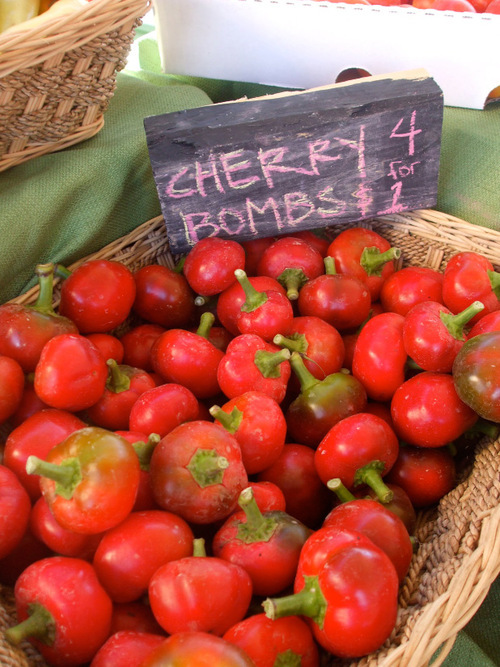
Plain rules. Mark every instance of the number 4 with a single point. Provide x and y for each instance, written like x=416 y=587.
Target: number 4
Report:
x=411 y=134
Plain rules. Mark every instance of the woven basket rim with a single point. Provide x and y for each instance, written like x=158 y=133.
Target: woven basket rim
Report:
x=31 y=46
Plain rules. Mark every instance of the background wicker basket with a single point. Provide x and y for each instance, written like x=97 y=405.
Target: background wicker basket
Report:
x=56 y=80
x=459 y=541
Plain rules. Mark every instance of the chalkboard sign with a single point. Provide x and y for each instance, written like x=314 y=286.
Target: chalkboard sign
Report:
x=300 y=160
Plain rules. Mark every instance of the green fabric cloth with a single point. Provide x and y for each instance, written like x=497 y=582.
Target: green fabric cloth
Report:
x=63 y=206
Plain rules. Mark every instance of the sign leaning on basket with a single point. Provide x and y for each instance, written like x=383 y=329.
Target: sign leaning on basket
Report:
x=299 y=160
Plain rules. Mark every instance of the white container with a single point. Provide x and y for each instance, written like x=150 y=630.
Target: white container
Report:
x=303 y=44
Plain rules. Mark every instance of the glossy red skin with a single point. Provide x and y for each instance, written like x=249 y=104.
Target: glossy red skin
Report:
x=253 y=252
x=210 y=265
x=427 y=411
x=186 y=358
x=426 y=339
x=198 y=649
x=353 y=443
x=37 y=435
x=476 y=375
x=174 y=487
x=400 y=504
x=409 y=286
x=237 y=372
x=61 y=541
x=346 y=249
x=229 y=301
x=262 y=430
x=271 y=564
x=112 y=410
x=71 y=373
x=29 y=404
x=425 y=474
x=108 y=345
x=218 y=336
x=163 y=297
x=130 y=553
x=106 y=492
x=341 y=300
x=137 y=343
x=294 y=472
x=288 y=252
x=161 y=409
x=126 y=648
x=466 y=280
x=267 y=641
x=268 y=496
x=199 y=593
x=135 y=616
x=70 y=590
x=11 y=387
x=324 y=347
x=24 y=332
x=15 y=508
x=380 y=357
x=98 y=295
x=321 y=244
x=144 y=499
x=380 y=525
x=490 y=322
x=317 y=409
x=361 y=608
x=274 y=316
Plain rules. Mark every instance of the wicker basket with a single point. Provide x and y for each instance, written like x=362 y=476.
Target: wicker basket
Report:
x=459 y=542
x=56 y=80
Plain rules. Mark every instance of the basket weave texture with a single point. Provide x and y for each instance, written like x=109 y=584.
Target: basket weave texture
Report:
x=56 y=80
x=458 y=556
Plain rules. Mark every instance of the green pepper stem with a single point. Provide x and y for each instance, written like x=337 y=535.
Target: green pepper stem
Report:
x=330 y=268
x=309 y=601
x=229 y=420
x=253 y=298
x=268 y=363
x=45 y=275
x=298 y=343
x=66 y=475
x=373 y=260
x=207 y=467
x=199 y=550
x=207 y=320
x=39 y=624
x=292 y=280
x=117 y=381
x=340 y=490
x=371 y=475
x=306 y=378
x=455 y=323
x=144 y=450
x=257 y=528
x=494 y=277
x=61 y=271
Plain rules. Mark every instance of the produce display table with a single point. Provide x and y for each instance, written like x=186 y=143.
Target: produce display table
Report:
x=66 y=205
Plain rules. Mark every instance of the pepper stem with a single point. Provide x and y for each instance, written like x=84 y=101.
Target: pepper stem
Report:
x=39 y=624
x=371 y=475
x=257 y=528
x=306 y=378
x=253 y=298
x=144 y=450
x=373 y=260
x=494 y=277
x=207 y=320
x=296 y=343
x=45 y=275
x=340 y=490
x=229 y=420
x=268 y=363
x=199 y=550
x=292 y=280
x=330 y=268
x=207 y=467
x=117 y=381
x=456 y=323
x=310 y=602
x=66 y=475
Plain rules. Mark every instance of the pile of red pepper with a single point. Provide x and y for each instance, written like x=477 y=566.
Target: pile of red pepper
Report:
x=223 y=461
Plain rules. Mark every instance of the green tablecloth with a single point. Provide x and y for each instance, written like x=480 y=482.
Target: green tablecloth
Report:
x=63 y=206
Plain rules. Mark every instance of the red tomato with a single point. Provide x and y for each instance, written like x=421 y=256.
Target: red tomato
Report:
x=126 y=648
x=197 y=472
x=15 y=508
x=210 y=265
x=269 y=642
x=11 y=387
x=199 y=593
x=98 y=295
x=130 y=553
x=163 y=297
x=427 y=411
x=198 y=649
x=51 y=586
x=71 y=373
x=37 y=435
